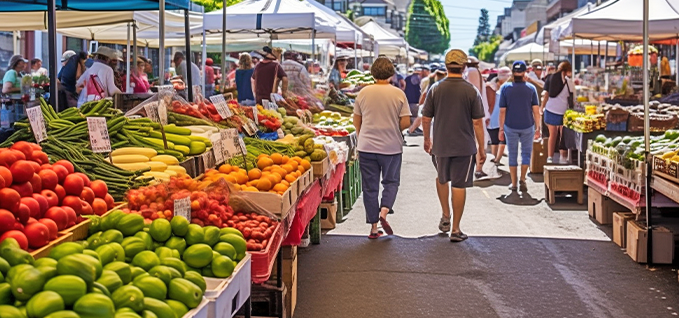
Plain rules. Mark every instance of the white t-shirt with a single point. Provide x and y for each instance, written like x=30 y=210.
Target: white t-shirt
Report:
x=559 y=104
x=195 y=73
x=534 y=76
x=105 y=75
x=381 y=108
x=39 y=72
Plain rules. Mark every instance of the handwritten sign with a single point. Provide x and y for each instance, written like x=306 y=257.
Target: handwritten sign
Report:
x=208 y=158
x=162 y=111
x=221 y=106
x=152 y=111
x=182 y=207
x=37 y=120
x=255 y=114
x=250 y=127
x=99 y=138
x=233 y=143
x=217 y=148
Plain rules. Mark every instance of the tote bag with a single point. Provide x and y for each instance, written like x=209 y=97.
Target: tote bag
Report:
x=95 y=90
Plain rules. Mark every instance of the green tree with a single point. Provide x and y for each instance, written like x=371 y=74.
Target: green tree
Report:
x=427 y=27
x=485 y=51
x=212 y=5
x=483 y=31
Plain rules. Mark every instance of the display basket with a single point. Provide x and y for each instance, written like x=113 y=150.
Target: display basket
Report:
x=226 y=296
x=45 y=250
x=262 y=261
x=199 y=312
x=80 y=231
x=631 y=190
x=307 y=207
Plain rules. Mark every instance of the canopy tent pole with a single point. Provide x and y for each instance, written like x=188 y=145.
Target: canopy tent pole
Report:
x=134 y=46
x=676 y=61
x=606 y=56
x=647 y=139
x=598 y=56
x=127 y=58
x=161 y=43
x=203 y=57
x=355 y=51
x=222 y=82
x=313 y=48
x=15 y=39
x=52 y=46
x=573 y=62
x=189 y=63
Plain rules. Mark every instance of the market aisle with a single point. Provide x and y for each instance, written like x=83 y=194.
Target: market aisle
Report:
x=522 y=260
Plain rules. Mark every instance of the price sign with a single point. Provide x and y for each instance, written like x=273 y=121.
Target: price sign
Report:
x=152 y=111
x=165 y=88
x=243 y=149
x=280 y=133
x=221 y=105
x=232 y=147
x=250 y=127
x=208 y=158
x=255 y=114
x=162 y=111
x=273 y=106
x=182 y=207
x=217 y=148
x=99 y=139
x=37 y=120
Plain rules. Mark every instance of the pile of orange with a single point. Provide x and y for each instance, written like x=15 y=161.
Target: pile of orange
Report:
x=274 y=173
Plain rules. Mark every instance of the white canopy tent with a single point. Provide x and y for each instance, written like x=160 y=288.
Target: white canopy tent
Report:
x=388 y=43
x=551 y=31
x=527 y=52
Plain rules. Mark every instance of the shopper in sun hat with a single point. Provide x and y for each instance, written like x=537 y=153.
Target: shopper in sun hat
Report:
x=519 y=122
x=99 y=76
x=380 y=113
x=457 y=108
x=267 y=75
x=497 y=146
x=11 y=82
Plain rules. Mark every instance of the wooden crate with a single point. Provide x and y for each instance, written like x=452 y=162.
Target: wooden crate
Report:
x=539 y=156
x=601 y=207
x=637 y=238
x=45 y=250
x=328 y=213
x=620 y=220
x=563 y=178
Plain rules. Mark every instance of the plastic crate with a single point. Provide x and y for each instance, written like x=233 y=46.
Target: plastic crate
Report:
x=226 y=296
x=199 y=312
x=616 y=127
x=262 y=261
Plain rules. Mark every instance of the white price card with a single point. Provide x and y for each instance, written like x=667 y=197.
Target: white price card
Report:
x=152 y=111
x=243 y=148
x=255 y=114
x=37 y=120
x=99 y=139
x=250 y=127
x=221 y=105
x=208 y=159
x=162 y=111
x=280 y=133
x=233 y=145
x=182 y=207
x=217 y=148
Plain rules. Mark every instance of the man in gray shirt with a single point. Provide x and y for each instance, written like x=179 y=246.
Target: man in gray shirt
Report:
x=180 y=67
x=458 y=133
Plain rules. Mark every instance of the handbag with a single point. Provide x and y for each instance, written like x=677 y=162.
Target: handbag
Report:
x=95 y=89
x=571 y=102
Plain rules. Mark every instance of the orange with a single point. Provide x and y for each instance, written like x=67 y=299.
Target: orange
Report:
x=298 y=159
x=264 y=184
x=263 y=155
x=275 y=178
x=211 y=172
x=267 y=168
x=285 y=182
x=237 y=187
x=254 y=174
x=277 y=158
x=294 y=164
x=287 y=168
x=241 y=178
x=290 y=178
x=235 y=169
x=253 y=183
x=226 y=168
x=301 y=169
x=285 y=159
x=280 y=187
x=231 y=179
x=250 y=189
x=306 y=165
x=298 y=174
x=264 y=162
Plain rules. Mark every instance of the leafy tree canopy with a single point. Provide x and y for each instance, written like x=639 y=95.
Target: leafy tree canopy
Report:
x=427 y=27
x=485 y=51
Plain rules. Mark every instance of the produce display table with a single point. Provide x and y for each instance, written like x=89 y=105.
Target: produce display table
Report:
x=306 y=210
x=666 y=185
x=659 y=200
x=334 y=181
x=580 y=141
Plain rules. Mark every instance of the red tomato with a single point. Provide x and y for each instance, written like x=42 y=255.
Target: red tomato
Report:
x=6 y=175
x=110 y=203
x=18 y=154
x=51 y=226
x=99 y=206
x=44 y=205
x=72 y=217
x=61 y=172
x=9 y=199
x=7 y=220
x=86 y=179
x=33 y=206
x=40 y=157
x=24 y=147
x=22 y=171
x=19 y=236
x=25 y=189
x=86 y=208
x=88 y=195
x=59 y=216
x=74 y=184
x=100 y=188
x=38 y=234
x=61 y=193
x=74 y=203
x=36 y=183
x=49 y=179
x=51 y=197
x=66 y=164
x=7 y=158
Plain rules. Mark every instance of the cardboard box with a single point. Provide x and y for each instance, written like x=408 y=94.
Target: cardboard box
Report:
x=289 y=252
x=273 y=202
x=538 y=158
x=601 y=207
x=620 y=227
x=663 y=243
x=290 y=282
x=328 y=215
x=321 y=168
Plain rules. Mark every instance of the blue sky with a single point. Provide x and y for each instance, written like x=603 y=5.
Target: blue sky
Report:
x=464 y=15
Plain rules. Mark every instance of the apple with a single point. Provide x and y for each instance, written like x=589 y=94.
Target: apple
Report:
x=7 y=220
x=23 y=214
x=33 y=206
x=31 y=220
x=100 y=188
x=66 y=164
x=44 y=205
x=61 y=193
x=99 y=206
x=72 y=217
x=38 y=234
x=74 y=203
x=59 y=216
x=9 y=199
x=86 y=179
x=86 y=208
x=36 y=183
x=61 y=172
x=22 y=171
x=17 y=235
x=88 y=195
x=51 y=226
x=51 y=197
x=110 y=203
x=74 y=184
x=25 y=189
x=18 y=226
x=49 y=179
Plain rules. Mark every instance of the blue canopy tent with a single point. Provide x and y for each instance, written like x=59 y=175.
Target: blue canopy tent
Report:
x=50 y=7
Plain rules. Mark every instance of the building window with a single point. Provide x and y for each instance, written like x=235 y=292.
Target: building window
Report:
x=336 y=5
x=6 y=50
x=374 y=11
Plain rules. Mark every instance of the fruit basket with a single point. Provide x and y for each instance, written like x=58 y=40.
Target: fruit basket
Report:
x=262 y=261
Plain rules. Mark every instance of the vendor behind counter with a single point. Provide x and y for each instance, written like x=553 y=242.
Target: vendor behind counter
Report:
x=11 y=82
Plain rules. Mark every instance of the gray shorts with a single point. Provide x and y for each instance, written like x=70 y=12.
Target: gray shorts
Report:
x=459 y=171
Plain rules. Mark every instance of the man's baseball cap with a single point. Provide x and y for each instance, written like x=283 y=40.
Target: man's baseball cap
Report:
x=456 y=57
x=67 y=55
x=536 y=64
x=519 y=67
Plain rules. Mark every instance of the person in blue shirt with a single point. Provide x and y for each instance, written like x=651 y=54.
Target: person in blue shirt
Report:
x=244 y=80
x=519 y=122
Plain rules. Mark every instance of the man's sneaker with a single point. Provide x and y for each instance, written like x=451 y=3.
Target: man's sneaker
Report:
x=480 y=175
x=550 y=160
x=444 y=225
x=563 y=161
x=418 y=132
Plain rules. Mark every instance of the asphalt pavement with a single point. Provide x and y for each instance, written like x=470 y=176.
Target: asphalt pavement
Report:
x=524 y=258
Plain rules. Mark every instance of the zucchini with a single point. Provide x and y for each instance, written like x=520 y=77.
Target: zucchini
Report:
x=176 y=139
x=172 y=129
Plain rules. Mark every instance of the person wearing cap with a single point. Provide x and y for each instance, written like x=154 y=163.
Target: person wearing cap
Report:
x=519 y=122
x=534 y=76
x=209 y=77
x=181 y=68
x=67 y=55
x=298 y=76
x=497 y=146
x=138 y=79
x=457 y=137
x=73 y=68
x=559 y=89
x=101 y=72
x=119 y=76
x=473 y=76
x=244 y=80
x=37 y=69
x=267 y=75
x=381 y=112
x=11 y=82
x=338 y=71
x=424 y=84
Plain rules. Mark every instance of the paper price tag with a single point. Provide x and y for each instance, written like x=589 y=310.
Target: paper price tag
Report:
x=243 y=148
x=152 y=111
x=280 y=133
x=232 y=146
x=37 y=120
x=250 y=127
x=217 y=148
x=208 y=158
x=162 y=112
x=182 y=207
x=99 y=138
x=221 y=105
x=255 y=115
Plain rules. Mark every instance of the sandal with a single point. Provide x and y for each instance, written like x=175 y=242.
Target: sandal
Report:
x=386 y=226
x=374 y=236
x=458 y=237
